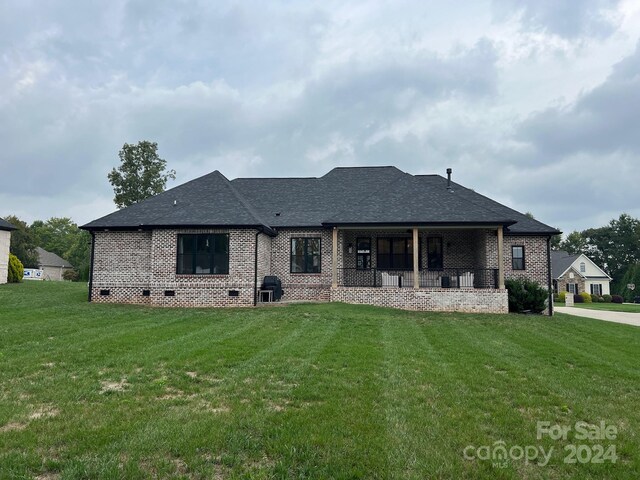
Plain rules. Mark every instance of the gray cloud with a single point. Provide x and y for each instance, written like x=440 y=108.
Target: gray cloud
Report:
x=565 y=18
x=295 y=89
x=602 y=121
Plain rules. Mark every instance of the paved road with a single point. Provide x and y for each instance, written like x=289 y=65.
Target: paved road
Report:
x=618 y=317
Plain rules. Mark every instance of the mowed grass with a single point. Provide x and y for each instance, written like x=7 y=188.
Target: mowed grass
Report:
x=307 y=391
x=612 y=307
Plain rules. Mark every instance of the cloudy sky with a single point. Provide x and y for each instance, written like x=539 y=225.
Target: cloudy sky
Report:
x=536 y=104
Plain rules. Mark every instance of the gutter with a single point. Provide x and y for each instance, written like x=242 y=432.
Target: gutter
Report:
x=255 y=271
x=93 y=251
x=549 y=283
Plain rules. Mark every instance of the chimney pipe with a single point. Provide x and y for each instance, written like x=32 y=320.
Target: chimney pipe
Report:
x=449 y=179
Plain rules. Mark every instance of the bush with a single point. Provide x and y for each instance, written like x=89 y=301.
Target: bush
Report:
x=586 y=297
x=526 y=296
x=578 y=298
x=556 y=298
x=71 y=275
x=562 y=296
x=616 y=299
x=595 y=298
x=16 y=269
x=606 y=298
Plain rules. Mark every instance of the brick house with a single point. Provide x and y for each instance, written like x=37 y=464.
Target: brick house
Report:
x=577 y=273
x=370 y=235
x=5 y=242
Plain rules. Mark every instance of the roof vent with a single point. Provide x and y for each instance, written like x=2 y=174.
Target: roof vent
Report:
x=277 y=214
x=175 y=202
x=449 y=180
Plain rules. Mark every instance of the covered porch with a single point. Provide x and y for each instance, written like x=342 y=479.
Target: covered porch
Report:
x=440 y=268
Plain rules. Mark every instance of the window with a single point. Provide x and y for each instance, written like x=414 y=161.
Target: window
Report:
x=395 y=253
x=305 y=255
x=434 y=253
x=583 y=267
x=572 y=288
x=517 y=257
x=596 y=289
x=203 y=254
x=363 y=253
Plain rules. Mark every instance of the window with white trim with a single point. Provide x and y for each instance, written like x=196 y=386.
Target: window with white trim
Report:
x=583 y=267
x=596 y=289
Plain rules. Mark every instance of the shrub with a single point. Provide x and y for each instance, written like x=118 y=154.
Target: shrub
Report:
x=16 y=269
x=595 y=298
x=616 y=299
x=578 y=298
x=556 y=298
x=526 y=296
x=562 y=296
x=600 y=300
x=586 y=297
x=607 y=298
x=71 y=275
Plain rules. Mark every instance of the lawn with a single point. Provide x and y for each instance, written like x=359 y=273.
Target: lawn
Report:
x=612 y=307
x=306 y=391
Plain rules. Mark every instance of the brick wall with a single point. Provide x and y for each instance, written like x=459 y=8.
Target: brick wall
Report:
x=535 y=258
x=264 y=257
x=434 y=300
x=302 y=286
x=5 y=240
x=125 y=263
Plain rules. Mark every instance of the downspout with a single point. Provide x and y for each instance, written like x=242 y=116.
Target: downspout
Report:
x=549 y=284
x=93 y=251
x=255 y=272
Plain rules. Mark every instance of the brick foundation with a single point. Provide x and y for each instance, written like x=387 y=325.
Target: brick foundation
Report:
x=432 y=299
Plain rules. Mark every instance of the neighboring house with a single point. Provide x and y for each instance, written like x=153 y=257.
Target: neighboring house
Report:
x=52 y=266
x=370 y=235
x=577 y=273
x=5 y=242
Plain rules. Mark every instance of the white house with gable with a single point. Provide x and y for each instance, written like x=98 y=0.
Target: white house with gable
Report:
x=577 y=273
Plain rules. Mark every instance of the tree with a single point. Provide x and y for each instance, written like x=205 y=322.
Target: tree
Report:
x=140 y=175
x=631 y=276
x=79 y=253
x=23 y=244
x=63 y=237
x=574 y=243
x=616 y=246
x=16 y=270
x=55 y=235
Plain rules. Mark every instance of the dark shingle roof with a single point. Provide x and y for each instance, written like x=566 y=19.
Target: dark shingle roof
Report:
x=560 y=261
x=210 y=200
x=50 y=259
x=4 y=225
x=345 y=195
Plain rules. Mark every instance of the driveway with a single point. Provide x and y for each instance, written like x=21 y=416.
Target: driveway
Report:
x=617 y=317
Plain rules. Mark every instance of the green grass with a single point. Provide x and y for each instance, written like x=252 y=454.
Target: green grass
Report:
x=612 y=307
x=307 y=391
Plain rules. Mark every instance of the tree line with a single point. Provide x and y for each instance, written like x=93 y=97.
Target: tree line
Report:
x=141 y=174
x=615 y=248
x=59 y=235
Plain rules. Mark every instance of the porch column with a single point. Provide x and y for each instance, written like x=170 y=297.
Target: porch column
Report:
x=334 y=258
x=500 y=258
x=416 y=259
